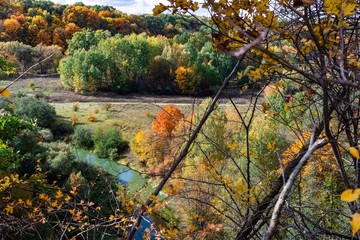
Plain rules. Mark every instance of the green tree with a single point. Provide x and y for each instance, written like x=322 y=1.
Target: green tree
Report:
x=85 y=71
x=108 y=142
x=85 y=39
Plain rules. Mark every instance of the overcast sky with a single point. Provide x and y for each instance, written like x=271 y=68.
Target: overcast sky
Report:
x=126 y=6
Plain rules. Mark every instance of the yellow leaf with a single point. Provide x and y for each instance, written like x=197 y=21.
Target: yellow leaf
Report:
x=355 y=223
x=195 y=6
x=349 y=10
x=5 y=93
x=59 y=194
x=350 y=195
x=29 y=202
x=9 y=209
x=287 y=106
x=159 y=9
x=354 y=152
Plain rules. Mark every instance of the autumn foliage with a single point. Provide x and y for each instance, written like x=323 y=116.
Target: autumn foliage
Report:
x=166 y=120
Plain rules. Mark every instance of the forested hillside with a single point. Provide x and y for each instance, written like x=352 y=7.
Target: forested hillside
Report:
x=111 y=51
x=32 y=22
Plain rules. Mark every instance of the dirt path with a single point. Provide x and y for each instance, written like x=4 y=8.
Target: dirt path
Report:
x=53 y=91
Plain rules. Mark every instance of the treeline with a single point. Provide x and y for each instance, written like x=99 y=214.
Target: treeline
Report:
x=108 y=50
x=17 y=57
x=33 y=22
x=185 y=64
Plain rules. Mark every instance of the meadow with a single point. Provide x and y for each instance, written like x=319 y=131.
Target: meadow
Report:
x=130 y=113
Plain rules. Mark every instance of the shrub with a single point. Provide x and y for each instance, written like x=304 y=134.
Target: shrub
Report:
x=82 y=138
x=91 y=117
x=4 y=104
x=107 y=141
x=76 y=106
x=107 y=106
x=74 y=119
x=46 y=135
x=96 y=110
x=32 y=108
x=61 y=128
x=113 y=153
x=32 y=86
x=58 y=161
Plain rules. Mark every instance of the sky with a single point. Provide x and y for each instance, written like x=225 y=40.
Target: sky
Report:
x=126 y=6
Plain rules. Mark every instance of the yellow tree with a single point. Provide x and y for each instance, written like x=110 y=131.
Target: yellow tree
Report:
x=186 y=80
x=11 y=27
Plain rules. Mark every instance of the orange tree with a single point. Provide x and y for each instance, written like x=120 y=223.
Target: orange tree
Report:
x=307 y=50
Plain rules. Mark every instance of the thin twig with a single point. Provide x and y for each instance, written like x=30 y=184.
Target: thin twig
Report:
x=24 y=73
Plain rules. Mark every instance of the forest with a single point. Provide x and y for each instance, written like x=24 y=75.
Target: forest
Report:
x=256 y=135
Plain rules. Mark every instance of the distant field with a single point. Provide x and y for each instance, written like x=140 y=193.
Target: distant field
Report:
x=129 y=117
x=128 y=112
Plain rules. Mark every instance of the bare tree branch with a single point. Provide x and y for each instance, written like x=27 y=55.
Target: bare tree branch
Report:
x=24 y=73
x=281 y=200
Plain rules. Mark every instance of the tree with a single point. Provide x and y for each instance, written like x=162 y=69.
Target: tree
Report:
x=84 y=71
x=159 y=75
x=108 y=143
x=45 y=51
x=59 y=38
x=6 y=68
x=311 y=44
x=11 y=27
x=82 y=16
x=166 y=120
x=187 y=81
x=85 y=39
x=35 y=203
x=24 y=54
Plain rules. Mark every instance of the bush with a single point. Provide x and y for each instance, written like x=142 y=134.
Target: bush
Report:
x=74 y=119
x=32 y=108
x=76 y=106
x=7 y=106
x=61 y=128
x=108 y=142
x=58 y=161
x=46 y=135
x=82 y=138
x=107 y=106
x=91 y=117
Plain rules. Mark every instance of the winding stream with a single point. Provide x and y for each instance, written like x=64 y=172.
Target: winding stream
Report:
x=130 y=178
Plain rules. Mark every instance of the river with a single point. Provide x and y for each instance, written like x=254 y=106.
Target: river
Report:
x=130 y=178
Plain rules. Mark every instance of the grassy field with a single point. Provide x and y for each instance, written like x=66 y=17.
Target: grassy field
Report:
x=128 y=112
x=129 y=117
